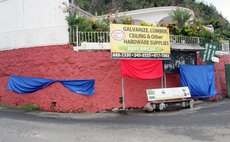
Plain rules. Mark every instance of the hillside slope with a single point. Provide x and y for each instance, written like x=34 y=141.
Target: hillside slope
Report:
x=208 y=13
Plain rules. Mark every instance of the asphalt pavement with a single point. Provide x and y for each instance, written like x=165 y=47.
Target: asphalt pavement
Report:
x=207 y=121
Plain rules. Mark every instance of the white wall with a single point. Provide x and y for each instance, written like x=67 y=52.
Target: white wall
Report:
x=152 y=15
x=26 y=23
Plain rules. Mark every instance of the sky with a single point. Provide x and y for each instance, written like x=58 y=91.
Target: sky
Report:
x=223 y=6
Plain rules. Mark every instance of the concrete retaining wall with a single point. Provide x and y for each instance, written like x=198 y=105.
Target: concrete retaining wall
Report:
x=61 y=62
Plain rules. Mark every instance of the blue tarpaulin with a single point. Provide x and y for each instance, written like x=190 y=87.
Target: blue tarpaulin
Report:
x=199 y=79
x=25 y=85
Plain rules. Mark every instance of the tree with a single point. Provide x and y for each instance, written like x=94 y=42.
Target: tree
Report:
x=181 y=16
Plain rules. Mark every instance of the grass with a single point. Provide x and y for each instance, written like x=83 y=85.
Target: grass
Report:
x=8 y=107
x=28 y=107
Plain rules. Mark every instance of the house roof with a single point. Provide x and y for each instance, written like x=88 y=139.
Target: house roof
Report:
x=153 y=9
x=186 y=47
x=151 y=15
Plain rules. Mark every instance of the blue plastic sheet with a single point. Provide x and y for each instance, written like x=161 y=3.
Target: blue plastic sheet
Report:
x=199 y=79
x=25 y=85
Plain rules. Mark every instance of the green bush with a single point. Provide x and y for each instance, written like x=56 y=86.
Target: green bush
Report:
x=181 y=27
x=87 y=24
x=30 y=107
x=71 y=19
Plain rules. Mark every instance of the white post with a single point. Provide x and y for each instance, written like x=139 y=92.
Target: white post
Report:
x=165 y=81
x=162 y=81
x=162 y=78
x=123 y=93
x=71 y=1
x=218 y=79
x=77 y=36
x=12 y=40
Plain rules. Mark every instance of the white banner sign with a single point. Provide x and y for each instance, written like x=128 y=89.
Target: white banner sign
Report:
x=168 y=93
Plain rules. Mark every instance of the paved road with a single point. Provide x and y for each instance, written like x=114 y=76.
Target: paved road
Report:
x=205 y=122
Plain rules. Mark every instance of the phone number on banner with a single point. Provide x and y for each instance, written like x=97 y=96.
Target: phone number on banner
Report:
x=139 y=55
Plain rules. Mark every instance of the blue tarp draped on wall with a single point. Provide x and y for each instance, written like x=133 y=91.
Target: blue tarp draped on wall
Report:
x=199 y=79
x=80 y=86
x=25 y=85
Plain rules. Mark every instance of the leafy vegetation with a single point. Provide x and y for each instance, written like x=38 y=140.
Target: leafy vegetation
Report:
x=207 y=13
x=7 y=107
x=193 y=28
x=102 y=24
x=181 y=16
x=28 y=107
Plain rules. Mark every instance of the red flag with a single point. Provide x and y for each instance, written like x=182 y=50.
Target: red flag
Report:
x=142 y=69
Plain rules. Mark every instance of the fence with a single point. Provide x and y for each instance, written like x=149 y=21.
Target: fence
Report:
x=77 y=37
x=33 y=37
x=225 y=46
x=80 y=38
x=105 y=37
x=90 y=40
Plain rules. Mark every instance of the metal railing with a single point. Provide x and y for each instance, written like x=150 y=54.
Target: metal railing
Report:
x=225 y=45
x=77 y=37
x=80 y=38
x=178 y=39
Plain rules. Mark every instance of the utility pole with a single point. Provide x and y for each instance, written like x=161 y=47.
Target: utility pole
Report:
x=71 y=1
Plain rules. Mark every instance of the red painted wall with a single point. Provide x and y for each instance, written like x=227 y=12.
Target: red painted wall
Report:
x=221 y=71
x=61 y=62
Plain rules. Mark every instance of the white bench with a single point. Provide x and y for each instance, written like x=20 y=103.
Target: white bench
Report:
x=159 y=99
